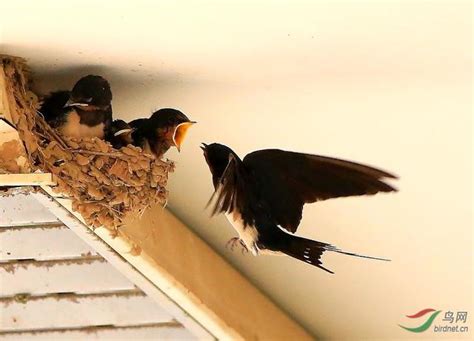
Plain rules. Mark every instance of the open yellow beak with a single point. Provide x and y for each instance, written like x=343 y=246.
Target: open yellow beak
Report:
x=180 y=133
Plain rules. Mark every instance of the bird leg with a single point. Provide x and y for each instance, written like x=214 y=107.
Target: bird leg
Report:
x=233 y=241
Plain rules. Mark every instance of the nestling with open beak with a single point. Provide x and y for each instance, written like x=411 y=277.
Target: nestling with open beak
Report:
x=85 y=111
x=263 y=196
x=164 y=129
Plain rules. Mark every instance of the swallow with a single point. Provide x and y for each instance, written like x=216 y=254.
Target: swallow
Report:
x=85 y=111
x=263 y=196
x=164 y=129
x=119 y=134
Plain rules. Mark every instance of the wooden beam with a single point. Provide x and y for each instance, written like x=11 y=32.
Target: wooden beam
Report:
x=32 y=179
x=205 y=284
x=195 y=277
x=118 y=252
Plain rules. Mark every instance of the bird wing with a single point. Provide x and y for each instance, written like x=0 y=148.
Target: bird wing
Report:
x=53 y=105
x=140 y=131
x=232 y=191
x=288 y=180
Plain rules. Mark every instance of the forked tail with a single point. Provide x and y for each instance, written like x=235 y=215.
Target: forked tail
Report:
x=310 y=251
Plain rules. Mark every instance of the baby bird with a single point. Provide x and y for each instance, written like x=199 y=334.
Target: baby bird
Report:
x=119 y=134
x=85 y=111
x=164 y=129
x=155 y=135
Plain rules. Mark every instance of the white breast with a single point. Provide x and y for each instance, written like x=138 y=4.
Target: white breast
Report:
x=74 y=128
x=248 y=234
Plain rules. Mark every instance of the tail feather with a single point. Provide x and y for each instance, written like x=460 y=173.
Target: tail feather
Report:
x=334 y=249
x=310 y=251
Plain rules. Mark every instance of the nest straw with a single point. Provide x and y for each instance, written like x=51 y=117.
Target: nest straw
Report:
x=106 y=185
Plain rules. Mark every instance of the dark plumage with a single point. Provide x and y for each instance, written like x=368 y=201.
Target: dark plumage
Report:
x=119 y=134
x=164 y=129
x=53 y=105
x=263 y=195
x=85 y=111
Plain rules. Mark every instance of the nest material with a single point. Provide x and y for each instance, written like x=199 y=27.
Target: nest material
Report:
x=106 y=185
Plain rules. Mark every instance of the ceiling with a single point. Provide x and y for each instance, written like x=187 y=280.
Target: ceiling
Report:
x=383 y=83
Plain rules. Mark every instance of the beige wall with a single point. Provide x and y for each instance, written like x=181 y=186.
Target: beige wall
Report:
x=385 y=83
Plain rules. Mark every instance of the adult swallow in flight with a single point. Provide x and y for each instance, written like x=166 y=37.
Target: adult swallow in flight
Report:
x=164 y=129
x=85 y=111
x=263 y=195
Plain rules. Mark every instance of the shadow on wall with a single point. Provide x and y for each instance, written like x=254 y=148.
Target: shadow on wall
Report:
x=53 y=70
x=138 y=90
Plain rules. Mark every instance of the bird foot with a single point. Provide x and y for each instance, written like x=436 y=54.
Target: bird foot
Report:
x=234 y=241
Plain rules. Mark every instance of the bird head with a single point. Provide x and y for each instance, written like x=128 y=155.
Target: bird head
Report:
x=90 y=92
x=174 y=123
x=217 y=158
x=121 y=132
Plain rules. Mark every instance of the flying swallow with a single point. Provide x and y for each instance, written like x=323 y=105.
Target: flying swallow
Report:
x=263 y=195
x=85 y=111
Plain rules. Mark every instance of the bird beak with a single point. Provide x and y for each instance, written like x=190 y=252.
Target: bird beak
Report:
x=203 y=146
x=180 y=133
x=72 y=103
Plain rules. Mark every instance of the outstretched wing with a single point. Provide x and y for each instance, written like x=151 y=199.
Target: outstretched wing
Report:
x=288 y=180
x=233 y=193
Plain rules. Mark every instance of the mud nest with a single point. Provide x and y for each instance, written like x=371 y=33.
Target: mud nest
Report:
x=106 y=185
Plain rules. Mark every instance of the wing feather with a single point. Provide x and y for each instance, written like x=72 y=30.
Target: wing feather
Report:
x=288 y=180
x=225 y=194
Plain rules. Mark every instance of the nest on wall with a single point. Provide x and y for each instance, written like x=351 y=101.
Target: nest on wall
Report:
x=106 y=185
